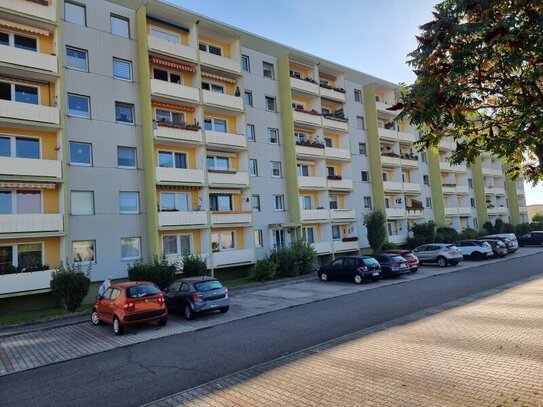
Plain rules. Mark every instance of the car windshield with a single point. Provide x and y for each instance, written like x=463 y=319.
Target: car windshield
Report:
x=208 y=285
x=397 y=258
x=140 y=291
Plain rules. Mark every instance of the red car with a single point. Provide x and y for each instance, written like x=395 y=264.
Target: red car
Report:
x=412 y=260
x=129 y=304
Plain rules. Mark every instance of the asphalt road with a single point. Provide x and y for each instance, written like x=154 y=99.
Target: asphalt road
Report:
x=148 y=371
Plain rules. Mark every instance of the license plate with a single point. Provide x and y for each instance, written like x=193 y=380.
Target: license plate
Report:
x=375 y=274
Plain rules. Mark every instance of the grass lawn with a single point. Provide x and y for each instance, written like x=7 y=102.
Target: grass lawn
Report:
x=38 y=315
x=238 y=282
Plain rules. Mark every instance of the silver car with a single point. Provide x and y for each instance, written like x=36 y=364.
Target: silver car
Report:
x=439 y=253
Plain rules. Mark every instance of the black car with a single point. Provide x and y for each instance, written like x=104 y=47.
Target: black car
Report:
x=531 y=239
x=392 y=265
x=195 y=295
x=354 y=268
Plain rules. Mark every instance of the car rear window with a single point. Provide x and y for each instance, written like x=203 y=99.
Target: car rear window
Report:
x=143 y=290
x=397 y=258
x=371 y=262
x=451 y=246
x=208 y=285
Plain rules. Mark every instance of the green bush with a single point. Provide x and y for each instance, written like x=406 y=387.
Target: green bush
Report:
x=508 y=228
x=286 y=263
x=534 y=226
x=498 y=226
x=265 y=270
x=468 y=233
x=71 y=284
x=522 y=229
x=488 y=227
x=375 y=221
x=155 y=269
x=424 y=232
x=304 y=255
x=446 y=234
x=389 y=246
x=194 y=265
x=416 y=241
x=538 y=217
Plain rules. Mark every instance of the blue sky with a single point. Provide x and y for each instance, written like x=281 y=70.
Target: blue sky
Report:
x=368 y=35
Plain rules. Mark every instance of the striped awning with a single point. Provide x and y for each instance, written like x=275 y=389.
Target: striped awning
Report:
x=221 y=154
x=178 y=187
x=22 y=27
x=26 y=185
x=224 y=192
x=172 y=106
x=20 y=80
x=172 y=65
x=218 y=77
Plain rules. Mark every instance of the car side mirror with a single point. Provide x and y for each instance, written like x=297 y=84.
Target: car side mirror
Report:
x=98 y=297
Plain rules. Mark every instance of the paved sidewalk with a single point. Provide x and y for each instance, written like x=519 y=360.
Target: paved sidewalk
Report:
x=479 y=351
x=53 y=344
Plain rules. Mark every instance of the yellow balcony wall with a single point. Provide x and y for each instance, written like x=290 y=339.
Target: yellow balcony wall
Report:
x=171 y=49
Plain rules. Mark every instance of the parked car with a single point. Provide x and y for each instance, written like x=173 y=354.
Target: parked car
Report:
x=195 y=295
x=499 y=249
x=128 y=304
x=512 y=238
x=354 y=268
x=474 y=249
x=412 y=260
x=392 y=265
x=439 y=253
x=511 y=247
x=531 y=239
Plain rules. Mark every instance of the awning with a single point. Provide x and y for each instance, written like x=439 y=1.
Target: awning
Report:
x=19 y=80
x=306 y=162
x=218 y=77
x=224 y=192
x=172 y=65
x=26 y=185
x=179 y=187
x=22 y=27
x=221 y=154
x=173 y=107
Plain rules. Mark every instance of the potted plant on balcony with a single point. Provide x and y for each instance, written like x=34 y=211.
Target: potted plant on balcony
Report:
x=334 y=177
x=349 y=239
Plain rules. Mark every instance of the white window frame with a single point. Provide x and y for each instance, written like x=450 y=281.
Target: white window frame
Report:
x=13 y=92
x=137 y=203
x=357 y=95
x=304 y=204
x=169 y=73
x=11 y=39
x=305 y=234
x=132 y=108
x=360 y=123
x=93 y=211
x=274 y=103
x=338 y=228
x=329 y=140
x=13 y=143
x=272 y=163
x=172 y=153
x=367 y=202
x=86 y=52
x=253 y=130
x=258 y=236
x=88 y=115
x=175 y=194
x=135 y=157
x=213 y=120
x=215 y=85
x=362 y=172
x=300 y=170
x=138 y=239
x=248 y=60
x=363 y=151
x=219 y=240
x=333 y=199
x=129 y=63
x=170 y=114
x=248 y=94
x=77 y=163
x=81 y=6
x=215 y=158
x=207 y=45
x=270 y=132
x=178 y=243
x=281 y=200
x=93 y=261
x=300 y=137
x=13 y=196
x=120 y=18
x=268 y=67
x=254 y=167
x=257 y=198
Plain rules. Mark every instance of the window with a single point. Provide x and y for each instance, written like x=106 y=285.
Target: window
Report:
x=75 y=13
x=212 y=124
x=385 y=176
x=267 y=70
x=220 y=202
x=328 y=142
x=130 y=248
x=212 y=87
x=362 y=149
x=358 y=96
x=176 y=245
x=122 y=69
x=470 y=183
x=336 y=232
x=218 y=163
x=425 y=180
x=306 y=202
x=365 y=177
x=475 y=223
x=170 y=159
x=80 y=153
x=248 y=97
x=270 y=104
x=334 y=203
x=428 y=202
x=212 y=49
x=24 y=256
x=20 y=147
x=303 y=170
x=120 y=26
x=165 y=35
x=251 y=132
x=175 y=202
x=19 y=41
x=245 y=63
x=253 y=168
x=273 y=136
x=84 y=251
x=360 y=123
x=258 y=238
x=278 y=203
x=20 y=201
x=300 y=137
x=472 y=202
x=175 y=77
x=308 y=235
x=126 y=157
x=256 y=203
x=331 y=171
x=79 y=106
x=19 y=93
x=275 y=169
x=223 y=241
x=129 y=202
x=423 y=157
x=124 y=113
x=367 y=202
x=77 y=59
x=169 y=116
x=82 y=203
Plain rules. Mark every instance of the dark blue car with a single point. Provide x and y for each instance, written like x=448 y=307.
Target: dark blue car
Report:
x=354 y=268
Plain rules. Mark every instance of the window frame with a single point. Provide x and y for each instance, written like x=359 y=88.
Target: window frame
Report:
x=135 y=157
x=93 y=210
x=259 y=238
x=254 y=162
x=360 y=119
x=132 y=112
x=132 y=258
x=129 y=63
x=270 y=131
x=357 y=95
x=80 y=164
x=215 y=160
x=248 y=97
x=252 y=132
x=266 y=103
x=86 y=52
x=81 y=6
x=368 y=204
x=213 y=120
x=363 y=149
x=172 y=154
x=281 y=200
x=137 y=211
x=178 y=243
x=220 y=247
x=13 y=91
x=245 y=58
x=71 y=114
x=207 y=45
x=121 y=18
x=258 y=207
x=268 y=67
x=13 y=145
x=280 y=171
x=365 y=174
x=93 y=242
x=164 y=31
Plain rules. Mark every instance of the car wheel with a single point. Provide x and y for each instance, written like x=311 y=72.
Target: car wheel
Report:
x=323 y=277
x=477 y=256
x=224 y=309
x=117 y=327
x=441 y=261
x=414 y=270
x=188 y=312
x=163 y=321
x=95 y=319
x=358 y=278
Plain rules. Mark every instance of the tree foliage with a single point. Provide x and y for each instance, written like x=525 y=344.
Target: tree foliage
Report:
x=71 y=284
x=479 y=67
x=375 y=221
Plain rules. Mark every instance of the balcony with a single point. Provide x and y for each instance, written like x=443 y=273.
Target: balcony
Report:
x=389 y=161
x=383 y=108
x=523 y=209
x=341 y=125
x=499 y=191
x=304 y=86
x=340 y=184
x=28 y=167
x=445 y=166
x=388 y=134
x=315 y=215
x=170 y=48
x=222 y=63
x=31 y=222
x=489 y=172
x=230 y=257
x=397 y=239
x=222 y=100
x=502 y=210
x=229 y=217
x=310 y=152
x=409 y=163
x=492 y=211
x=449 y=189
x=307 y=118
x=340 y=215
x=28 y=112
x=340 y=246
x=413 y=213
x=322 y=247
x=174 y=90
x=20 y=282
x=239 y=179
x=497 y=173
x=395 y=213
x=489 y=190
x=462 y=190
x=29 y=59
x=171 y=219
x=230 y=140
x=447 y=145
x=180 y=175
x=407 y=137
x=393 y=186
x=32 y=9
x=451 y=211
x=464 y=211
x=311 y=182
x=332 y=94
x=411 y=188
x=177 y=133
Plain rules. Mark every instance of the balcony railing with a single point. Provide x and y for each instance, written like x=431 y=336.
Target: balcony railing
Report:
x=340 y=246
x=169 y=219
x=171 y=48
x=337 y=153
x=409 y=162
x=240 y=179
x=489 y=190
x=175 y=90
x=462 y=190
x=340 y=184
x=392 y=186
x=30 y=167
x=451 y=211
x=31 y=222
x=32 y=9
x=312 y=182
x=29 y=112
x=21 y=282
x=332 y=94
x=502 y=210
x=411 y=187
x=407 y=137
x=395 y=212
x=415 y=212
x=229 y=257
x=397 y=239
x=322 y=247
x=315 y=214
x=228 y=217
x=222 y=100
x=390 y=161
x=388 y=134
x=492 y=211
x=335 y=124
x=464 y=211
x=181 y=134
x=222 y=63
x=31 y=59
x=231 y=140
x=383 y=108
x=304 y=86
x=342 y=214
x=180 y=175
x=306 y=117
x=499 y=191
x=312 y=152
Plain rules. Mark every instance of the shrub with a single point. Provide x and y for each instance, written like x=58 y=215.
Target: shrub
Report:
x=468 y=233
x=71 y=284
x=488 y=227
x=286 y=263
x=424 y=232
x=414 y=242
x=155 y=269
x=304 y=255
x=508 y=228
x=446 y=234
x=375 y=221
x=522 y=229
x=265 y=270
x=389 y=246
x=538 y=217
x=498 y=226
x=194 y=265
x=536 y=226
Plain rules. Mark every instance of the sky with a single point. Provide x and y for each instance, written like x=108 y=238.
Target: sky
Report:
x=367 y=35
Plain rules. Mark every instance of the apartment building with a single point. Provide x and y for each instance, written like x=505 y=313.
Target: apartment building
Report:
x=132 y=128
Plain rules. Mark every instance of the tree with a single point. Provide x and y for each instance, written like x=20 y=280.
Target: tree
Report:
x=479 y=67
x=71 y=284
x=374 y=221
x=538 y=218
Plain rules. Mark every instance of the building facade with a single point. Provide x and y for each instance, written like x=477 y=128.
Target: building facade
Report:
x=132 y=128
